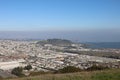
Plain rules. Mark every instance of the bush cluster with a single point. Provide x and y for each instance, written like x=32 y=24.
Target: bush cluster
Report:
x=94 y=67
x=28 y=67
x=69 y=69
x=18 y=71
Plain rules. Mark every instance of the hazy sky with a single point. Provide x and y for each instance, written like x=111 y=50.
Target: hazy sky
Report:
x=83 y=20
x=59 y=15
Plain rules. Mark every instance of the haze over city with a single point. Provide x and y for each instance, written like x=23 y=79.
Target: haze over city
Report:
x=78 y=20
x=59 y=39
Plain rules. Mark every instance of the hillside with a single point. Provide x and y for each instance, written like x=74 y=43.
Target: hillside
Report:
x=112 y=74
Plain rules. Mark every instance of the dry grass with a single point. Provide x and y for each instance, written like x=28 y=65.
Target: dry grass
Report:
x=112 y=74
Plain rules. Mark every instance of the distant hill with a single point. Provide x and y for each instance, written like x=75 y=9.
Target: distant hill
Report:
x=57 y=42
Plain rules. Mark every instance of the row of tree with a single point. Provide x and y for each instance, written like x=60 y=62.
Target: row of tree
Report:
x=69 y=69
x=18 y=70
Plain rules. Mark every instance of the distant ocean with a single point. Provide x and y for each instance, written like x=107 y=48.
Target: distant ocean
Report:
x=101 y=45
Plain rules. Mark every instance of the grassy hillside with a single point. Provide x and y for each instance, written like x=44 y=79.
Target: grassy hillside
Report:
x=112 y=74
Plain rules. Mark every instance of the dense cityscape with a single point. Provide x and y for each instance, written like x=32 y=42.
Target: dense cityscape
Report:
x=49 y=55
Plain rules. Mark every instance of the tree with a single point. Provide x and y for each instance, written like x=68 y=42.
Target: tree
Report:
x=28 y=67
x=18 y=71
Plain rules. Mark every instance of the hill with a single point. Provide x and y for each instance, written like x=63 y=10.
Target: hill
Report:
x=56 y=42
x=112 y=74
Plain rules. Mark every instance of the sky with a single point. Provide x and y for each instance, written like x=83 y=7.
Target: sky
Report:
x=84 y=16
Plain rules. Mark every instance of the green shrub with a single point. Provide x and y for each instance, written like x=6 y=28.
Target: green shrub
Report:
x=94 y=67
x=69 y=69
x=28 y=67
x=18 y=71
